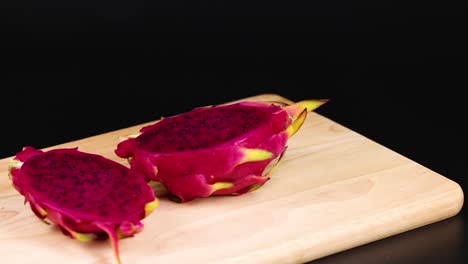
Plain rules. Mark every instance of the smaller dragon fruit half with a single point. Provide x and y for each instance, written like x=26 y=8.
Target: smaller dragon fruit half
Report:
x=87 y=196
x=219 y=150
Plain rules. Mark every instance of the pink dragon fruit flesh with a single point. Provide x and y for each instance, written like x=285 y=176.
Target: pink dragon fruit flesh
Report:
x=217 y=150
x=87 y=196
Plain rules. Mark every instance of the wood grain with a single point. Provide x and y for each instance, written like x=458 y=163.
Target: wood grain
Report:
x=335 y=190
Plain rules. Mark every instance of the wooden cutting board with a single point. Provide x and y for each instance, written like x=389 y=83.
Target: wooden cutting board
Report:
x=334 y=190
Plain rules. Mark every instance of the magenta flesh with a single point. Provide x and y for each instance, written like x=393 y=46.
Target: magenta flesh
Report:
x=201 y=128
x=86 y=195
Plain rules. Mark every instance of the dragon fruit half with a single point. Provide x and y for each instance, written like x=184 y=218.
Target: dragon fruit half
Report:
x=217 y=150
x=86 y=195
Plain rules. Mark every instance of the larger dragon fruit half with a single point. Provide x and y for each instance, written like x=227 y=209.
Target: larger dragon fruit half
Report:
x=86 y=195
x=215 y=150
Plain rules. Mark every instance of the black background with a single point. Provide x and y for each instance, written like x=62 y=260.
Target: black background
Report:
x=395 y=72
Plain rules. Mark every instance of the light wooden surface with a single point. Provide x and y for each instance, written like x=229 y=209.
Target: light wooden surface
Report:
x=334 y=190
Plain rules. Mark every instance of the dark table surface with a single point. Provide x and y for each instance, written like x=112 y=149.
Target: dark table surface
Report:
x=394 y=70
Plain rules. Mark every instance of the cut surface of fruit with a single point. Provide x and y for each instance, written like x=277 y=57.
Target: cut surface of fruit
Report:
x=85 y=195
